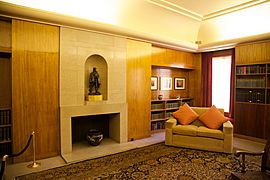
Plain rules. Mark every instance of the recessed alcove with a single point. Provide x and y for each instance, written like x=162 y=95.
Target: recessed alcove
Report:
x=100 y=64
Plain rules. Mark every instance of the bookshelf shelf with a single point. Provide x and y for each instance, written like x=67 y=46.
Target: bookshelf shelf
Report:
x=155 y=120
x=255 y=74
x=161 y=110
x=252 y=83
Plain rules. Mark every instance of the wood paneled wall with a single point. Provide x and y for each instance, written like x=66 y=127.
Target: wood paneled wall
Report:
x=173 y=73
x=138 y=89
x=35 y=99
x=194 y=83
x=168 y=62
x=252 y=53
x=5 y=35
x=172 y=58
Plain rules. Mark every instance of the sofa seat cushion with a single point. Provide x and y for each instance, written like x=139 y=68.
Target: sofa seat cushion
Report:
x=190 y=130
x=212 y=133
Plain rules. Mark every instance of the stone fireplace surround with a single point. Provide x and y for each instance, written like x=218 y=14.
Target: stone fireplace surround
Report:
x=76 y=46
x=119 y=125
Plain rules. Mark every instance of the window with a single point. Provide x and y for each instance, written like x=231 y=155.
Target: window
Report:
x=221 y=74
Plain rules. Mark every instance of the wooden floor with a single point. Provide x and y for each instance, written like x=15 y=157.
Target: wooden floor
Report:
x=14 y=170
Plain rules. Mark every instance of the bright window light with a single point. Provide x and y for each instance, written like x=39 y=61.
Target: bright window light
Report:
x=221 y=75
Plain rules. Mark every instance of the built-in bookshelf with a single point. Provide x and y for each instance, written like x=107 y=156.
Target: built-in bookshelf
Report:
x=161 y=110
x=253 y=83
x=5 y=131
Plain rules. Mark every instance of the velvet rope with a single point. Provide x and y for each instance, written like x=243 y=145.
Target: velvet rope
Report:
x=3 y=163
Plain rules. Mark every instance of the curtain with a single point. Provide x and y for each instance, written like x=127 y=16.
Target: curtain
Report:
x=206 y=80
x=231 y=111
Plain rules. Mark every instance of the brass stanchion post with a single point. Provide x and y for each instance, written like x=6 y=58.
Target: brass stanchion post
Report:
x=34 y=164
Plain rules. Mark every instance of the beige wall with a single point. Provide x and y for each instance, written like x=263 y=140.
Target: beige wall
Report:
x=75 y=47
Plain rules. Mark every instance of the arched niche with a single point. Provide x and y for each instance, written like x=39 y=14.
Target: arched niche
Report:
x=100 y=64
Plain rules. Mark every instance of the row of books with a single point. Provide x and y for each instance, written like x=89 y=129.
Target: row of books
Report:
x=157 y=125
x=172 y=105
x=157 y=106
x=252 y=96
x=5 y=133
x=168 y=114
x=5 y=149
x=157 y=115
x=5 y=117
x=256 y=69
x=250 y=82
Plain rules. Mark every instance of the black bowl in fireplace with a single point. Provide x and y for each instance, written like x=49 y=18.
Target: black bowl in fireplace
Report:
x=94 y=137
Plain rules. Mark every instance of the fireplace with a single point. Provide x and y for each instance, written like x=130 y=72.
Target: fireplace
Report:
x=106 y=123
x=117 y=125
x=80 y=52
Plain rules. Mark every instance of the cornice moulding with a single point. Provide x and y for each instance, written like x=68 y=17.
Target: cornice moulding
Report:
x=234 y=9
x=231 y=43
x=177 y=9
x=198 y=17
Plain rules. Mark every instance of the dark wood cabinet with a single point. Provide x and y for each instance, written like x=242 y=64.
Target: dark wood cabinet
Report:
x=252 y=119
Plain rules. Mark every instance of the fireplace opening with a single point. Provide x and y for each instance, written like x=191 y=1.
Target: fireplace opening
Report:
x=108 y=124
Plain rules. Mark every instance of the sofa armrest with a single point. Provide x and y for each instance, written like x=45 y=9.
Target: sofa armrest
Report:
x=227 y=127
x=228 y=137
x=170 y=123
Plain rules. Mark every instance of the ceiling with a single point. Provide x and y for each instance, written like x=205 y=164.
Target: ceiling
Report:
x=206 y=7
x=191 y=25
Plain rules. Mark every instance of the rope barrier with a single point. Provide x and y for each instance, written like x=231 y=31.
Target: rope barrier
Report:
x=4 y=158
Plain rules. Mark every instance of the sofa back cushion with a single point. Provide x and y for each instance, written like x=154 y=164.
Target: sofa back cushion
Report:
x=185 y=115
x=201 y=110
x=213 y=118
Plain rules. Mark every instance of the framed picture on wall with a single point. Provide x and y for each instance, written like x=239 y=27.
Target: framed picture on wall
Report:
x=165 y=83
x=154 y=83
x=179 y=83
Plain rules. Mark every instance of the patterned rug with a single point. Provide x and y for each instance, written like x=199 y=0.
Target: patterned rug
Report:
x=152 y=162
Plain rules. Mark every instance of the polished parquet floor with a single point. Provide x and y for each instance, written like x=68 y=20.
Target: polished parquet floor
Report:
x=14 y=170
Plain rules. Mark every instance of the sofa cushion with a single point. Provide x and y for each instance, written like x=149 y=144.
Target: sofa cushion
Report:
x=189 y=130
x=185 y=115
x=213 y=133
x=213 y=118
x=197 y=122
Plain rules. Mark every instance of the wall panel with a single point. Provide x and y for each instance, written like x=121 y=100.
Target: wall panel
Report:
x=138 y=89
x=5 y=35
x=252 y=53
x=35 y=99
x=195 y=80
